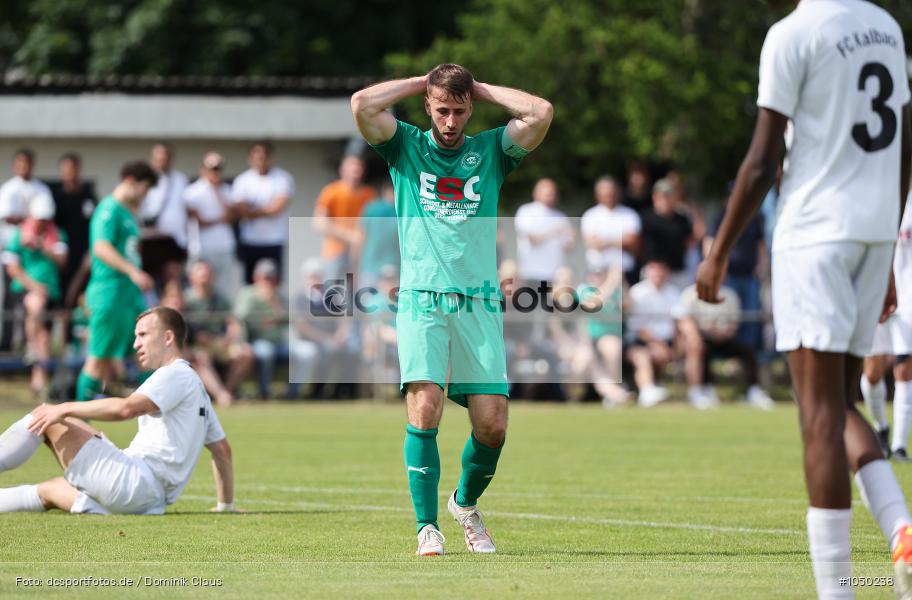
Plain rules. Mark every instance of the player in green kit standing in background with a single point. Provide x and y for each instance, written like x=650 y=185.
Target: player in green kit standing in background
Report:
x=447 y=186
x=114 y=296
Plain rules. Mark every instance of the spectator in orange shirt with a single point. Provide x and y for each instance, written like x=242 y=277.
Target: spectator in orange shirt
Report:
x=336 y=216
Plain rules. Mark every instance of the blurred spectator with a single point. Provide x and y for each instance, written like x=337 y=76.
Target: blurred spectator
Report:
x=336 y=215
x=694 y=212
x=716 y=327
x=262 y=312
x=637 y=194
x=651 y=327
x=208 y=202
x=570 y=336
x=379 y=333
x=262 y=194
x=18 y=192
x=215 y=336
x=667 y=233
x=611 y=231
x=326 y=347
x=746 y=266
x=33 y=259
x=15 y=196
x=380 y=232
x=164 y=219
x=75 y=202
x=601 y=299
x=543 y=235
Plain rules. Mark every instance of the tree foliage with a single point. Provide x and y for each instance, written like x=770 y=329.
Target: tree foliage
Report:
x=668 y=81
x=229 y=37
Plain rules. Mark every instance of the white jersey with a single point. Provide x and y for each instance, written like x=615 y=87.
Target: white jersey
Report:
x=258 y=191
x=902 y=264
x=165 y=205
x=610 y=224
x=203 y=197
x=539 y=262
x=654 y=310
x=837 y=69
x=16 y=195
x=170 y=441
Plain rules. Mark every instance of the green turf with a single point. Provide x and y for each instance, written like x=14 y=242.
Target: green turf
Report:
x=665 y=503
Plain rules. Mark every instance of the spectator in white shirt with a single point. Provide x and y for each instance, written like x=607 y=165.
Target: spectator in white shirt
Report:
x=652 y=327
x=611 y=231
x=262 y=194
x=164 y=219
x=543 y=235
x=209 y=206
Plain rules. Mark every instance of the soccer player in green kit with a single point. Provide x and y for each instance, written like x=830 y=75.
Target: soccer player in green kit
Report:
x=114 y=296
x=447 y=186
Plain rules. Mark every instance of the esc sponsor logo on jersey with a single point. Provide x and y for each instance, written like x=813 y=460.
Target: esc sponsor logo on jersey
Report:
x=448 y=189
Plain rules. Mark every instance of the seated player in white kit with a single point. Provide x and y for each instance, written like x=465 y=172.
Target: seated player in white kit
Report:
x=893 y=338
x=175 y=421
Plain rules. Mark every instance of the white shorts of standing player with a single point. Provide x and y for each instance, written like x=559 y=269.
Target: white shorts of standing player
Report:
x=829 y=296
x=893 y=337
x=110 y=481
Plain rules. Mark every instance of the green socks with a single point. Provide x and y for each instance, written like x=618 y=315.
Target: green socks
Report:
x=87 y=387
x=422 y=464
x=478 y=465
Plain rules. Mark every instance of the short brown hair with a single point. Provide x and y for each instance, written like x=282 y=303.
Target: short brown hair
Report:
x=452 y=78
x=140 y=171
x=168 y=318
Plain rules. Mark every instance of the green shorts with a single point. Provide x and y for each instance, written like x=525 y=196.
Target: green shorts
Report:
x=111 y=330
x=436 y=330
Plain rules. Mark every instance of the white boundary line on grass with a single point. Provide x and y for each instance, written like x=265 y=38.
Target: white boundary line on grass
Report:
x=526 y=516
x=607 y=496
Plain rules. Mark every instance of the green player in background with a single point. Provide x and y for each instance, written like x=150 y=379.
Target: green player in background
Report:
x=447 y=186
x=114 y=297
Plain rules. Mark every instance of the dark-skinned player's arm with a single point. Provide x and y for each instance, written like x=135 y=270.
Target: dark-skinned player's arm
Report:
x=531 y=115
x=755 y=177
x=369 y=106
x=905 y=169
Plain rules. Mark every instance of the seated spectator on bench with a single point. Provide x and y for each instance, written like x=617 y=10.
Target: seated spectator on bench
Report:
x=714 y=329
x=652 y=330
x=216 y=340
x=34 y=257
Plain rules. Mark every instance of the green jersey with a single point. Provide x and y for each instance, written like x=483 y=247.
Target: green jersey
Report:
x=37 y=264
x=446 y=202
x=114 y=223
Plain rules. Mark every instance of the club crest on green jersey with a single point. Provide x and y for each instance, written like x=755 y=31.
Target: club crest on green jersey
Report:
x=471 y=159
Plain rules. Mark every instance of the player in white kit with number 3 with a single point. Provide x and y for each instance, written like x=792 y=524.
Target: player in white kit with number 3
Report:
x=834 y=73
x=175 y=421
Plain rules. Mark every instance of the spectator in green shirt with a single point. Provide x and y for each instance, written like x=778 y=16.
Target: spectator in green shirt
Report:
x=33 y=259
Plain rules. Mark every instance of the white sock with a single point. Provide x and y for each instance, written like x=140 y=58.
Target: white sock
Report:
x=875 y=400
x=23 y=498
x=831 y=551
x=881 y=494
x=18 y=444
x=902 y=414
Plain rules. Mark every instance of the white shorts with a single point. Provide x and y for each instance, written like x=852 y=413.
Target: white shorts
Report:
x=828 y=297
x=893 y=337
x=110 y=481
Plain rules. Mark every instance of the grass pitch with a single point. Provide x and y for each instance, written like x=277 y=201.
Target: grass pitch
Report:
x=665 y=503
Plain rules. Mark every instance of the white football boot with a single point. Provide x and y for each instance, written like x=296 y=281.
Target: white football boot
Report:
x=476 y=534
x=430 y=542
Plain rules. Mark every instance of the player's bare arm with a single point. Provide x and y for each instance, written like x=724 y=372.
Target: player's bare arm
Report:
x=223 y=475
x=755 y=177
x=108 y=254
x=105 y=409
x=369 y=106
x=531 y=115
